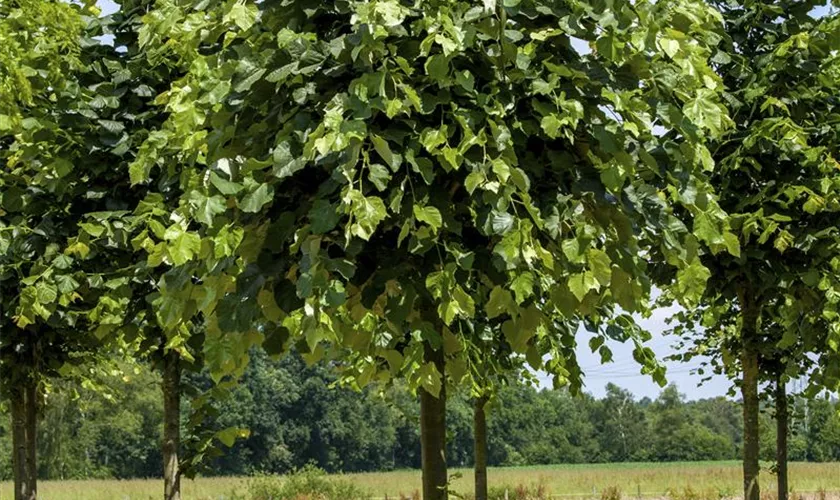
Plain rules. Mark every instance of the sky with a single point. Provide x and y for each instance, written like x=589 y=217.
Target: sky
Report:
x=107 y=6
x=624 y=371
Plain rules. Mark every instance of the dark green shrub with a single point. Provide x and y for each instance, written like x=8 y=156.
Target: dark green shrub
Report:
x=308 y=483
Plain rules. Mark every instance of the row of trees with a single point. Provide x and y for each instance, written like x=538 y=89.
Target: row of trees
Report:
x=295 y=417
x=432 y=195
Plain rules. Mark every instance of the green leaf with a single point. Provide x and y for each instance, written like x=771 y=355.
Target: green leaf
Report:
x=705 y=112
x=94 y=230
x=595 y=343
x=580 y=284
x=324 y=216
x=184 y=247
x=225 y=186
x=138 y=170
x=242 y=14
x=523 y=286
x=669 y=46
x=431 y=138
x=229 y=436
x=465 y=79
x=253 y=202
x=384 y=151
x=473 y=180
x=227 y=241
x=500 y=302
x=422 y=166
x=430 y=379
x=783 y=241
x=518 y=332
x=600 y=265
x=285 y=164
x=250 y=80
x=706 y=230
x=691 y=282
x=46 y=292
x=437 y=67
x=609 y=46
x=379 y=176
x=502 y=222
x=501 y=169
x=367 y=213
x=625 y=290
x=733 y=246
x=814 y=204
x=66 y=284
x=551 y=125
x=112 y=126
x=429 y=215
x=206 y=209
x=405 y=229
x=571 y=249
x=466 y=304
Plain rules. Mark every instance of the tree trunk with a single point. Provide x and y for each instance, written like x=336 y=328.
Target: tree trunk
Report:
x=782 y=438
x=18 y=410
x=749 y=390
x=31 y=439
x=480 y=433
x=750 y=312
x=433 y=434
x=171 y=425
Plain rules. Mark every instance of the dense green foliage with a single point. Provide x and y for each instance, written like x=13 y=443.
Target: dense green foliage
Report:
x=779 y=180
x=296 y=417
x=425 y=196
x=770 y=311
x=378 y=170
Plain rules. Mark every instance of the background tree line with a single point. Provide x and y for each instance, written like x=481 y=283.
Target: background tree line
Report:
x=296 y=416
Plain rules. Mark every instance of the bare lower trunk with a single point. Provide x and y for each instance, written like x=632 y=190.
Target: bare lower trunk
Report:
x=18 y=410
x=171 y=425
x=32 y=440
x=433 y=434
x=749 y=390
x=781 y=438
x=750 y=312
x=480 y=434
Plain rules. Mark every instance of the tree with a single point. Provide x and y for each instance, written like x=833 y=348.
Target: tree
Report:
x=46 y=286
x=778 y=180
x=148 y=308
x=622 y=427
x=372 y=176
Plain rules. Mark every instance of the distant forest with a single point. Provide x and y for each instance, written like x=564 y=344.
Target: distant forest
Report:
x=296 y=416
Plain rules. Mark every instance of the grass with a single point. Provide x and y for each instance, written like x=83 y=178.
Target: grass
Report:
x=709 y=480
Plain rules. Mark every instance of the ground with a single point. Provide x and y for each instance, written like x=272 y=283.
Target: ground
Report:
x=677 y=481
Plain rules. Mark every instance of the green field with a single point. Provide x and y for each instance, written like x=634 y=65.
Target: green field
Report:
x=683 y=481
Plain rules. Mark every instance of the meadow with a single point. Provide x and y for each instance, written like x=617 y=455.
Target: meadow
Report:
x=679 y=480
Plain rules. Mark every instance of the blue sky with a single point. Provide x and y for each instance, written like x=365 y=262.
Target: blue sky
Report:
x=624 y=371
x=107 y=6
